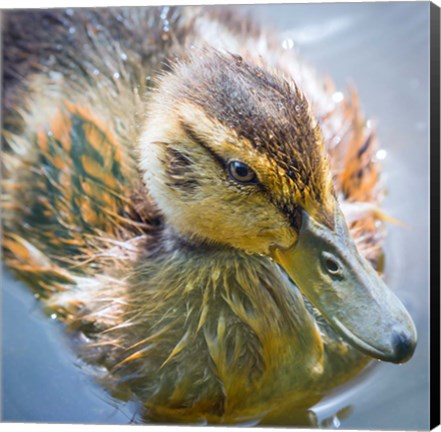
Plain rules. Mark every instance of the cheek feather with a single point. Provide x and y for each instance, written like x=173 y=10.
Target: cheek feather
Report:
x=178 y=169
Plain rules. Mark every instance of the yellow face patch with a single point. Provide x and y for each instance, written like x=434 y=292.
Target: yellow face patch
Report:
x=234 y=112
x=288 y=187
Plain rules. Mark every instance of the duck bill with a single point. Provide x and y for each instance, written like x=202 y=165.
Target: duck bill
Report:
x=326 y=266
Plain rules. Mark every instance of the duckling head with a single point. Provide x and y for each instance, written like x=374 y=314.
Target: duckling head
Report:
x=233 y=156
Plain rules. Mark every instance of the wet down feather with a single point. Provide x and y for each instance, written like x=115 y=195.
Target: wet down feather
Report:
x=203 y=213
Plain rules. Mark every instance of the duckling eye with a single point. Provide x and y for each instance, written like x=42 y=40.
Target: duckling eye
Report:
x=242 y=172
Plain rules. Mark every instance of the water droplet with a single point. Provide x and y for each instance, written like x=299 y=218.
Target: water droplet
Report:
x=338 y=97
x=165 y=28
x=288 y=44
x=49 y=133
x=69 y=12
x=53 y=316
x=72 y=30
x=381 y=154
x=55 y=76
x=297 y=108
x=336 y=422
x=96 y=72
x=164 y=12
x=119 y=18
x=116 y=75
x=239 y=59
x=336 y=140
x=123 y=56
x=369 y=124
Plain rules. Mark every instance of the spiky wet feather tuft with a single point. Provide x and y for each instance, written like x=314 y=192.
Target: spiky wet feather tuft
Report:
x=79 y=224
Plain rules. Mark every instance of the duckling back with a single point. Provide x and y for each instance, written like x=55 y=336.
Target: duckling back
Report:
x=71 y=109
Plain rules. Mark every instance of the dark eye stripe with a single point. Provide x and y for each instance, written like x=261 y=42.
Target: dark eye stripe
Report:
x=233 y=167
x=194 y=137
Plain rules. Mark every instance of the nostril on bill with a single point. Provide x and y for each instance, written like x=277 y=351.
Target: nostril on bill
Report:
x=331 y=265
x=403 y=347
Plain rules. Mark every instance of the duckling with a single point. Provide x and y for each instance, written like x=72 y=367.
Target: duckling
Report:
x=174 y=190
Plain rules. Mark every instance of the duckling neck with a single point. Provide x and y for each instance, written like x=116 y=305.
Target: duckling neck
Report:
x=216 y=326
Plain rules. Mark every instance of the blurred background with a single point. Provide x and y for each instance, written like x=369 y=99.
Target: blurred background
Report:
x=383 y=48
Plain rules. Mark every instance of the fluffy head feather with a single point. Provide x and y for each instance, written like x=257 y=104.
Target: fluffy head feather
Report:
x=213 y=109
